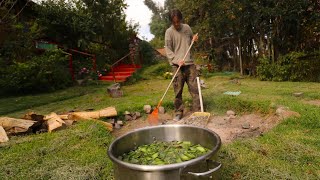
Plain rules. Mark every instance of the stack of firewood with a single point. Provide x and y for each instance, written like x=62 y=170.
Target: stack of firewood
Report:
x=34 y=123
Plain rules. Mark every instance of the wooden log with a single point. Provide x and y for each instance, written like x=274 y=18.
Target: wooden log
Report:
x=107 y=112
x=3 y=135
x=15 y=125
x=64 y=116
x=53 y=122
x=107 y=125
x=33 y=116
x=84 y=115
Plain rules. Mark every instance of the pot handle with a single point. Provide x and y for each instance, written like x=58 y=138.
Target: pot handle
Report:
x=208 y=172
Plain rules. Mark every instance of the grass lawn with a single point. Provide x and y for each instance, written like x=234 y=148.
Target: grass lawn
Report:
x=289 y=151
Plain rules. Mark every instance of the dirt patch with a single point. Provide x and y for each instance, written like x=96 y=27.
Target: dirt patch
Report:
x=313 y=102
x=250 y=125
x=139 y=123
x=229 y=129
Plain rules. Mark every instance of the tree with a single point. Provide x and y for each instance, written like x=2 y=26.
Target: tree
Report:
x=251 y=29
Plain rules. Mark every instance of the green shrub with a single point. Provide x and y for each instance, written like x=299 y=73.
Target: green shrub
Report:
x=42 y=73
x=295 y=66
x=148 y=53
x=156 y=70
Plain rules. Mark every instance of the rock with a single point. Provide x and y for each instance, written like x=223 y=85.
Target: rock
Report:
x=280 y=110
x=120 y=123
x=284 y=113
x=246 y=126
x=117 y=126
x=3 y=135
x=229 y=113
x=127 y=113
x=114 y=91
x=147 y=109
x=203 y=84
x=232 y=117
x=134 y=117
x=69 y=122
x=298 y=94
x=161 y=110
x=138 y=114
x=127 y=118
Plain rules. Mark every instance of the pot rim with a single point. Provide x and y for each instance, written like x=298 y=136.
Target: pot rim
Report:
x=168 y=166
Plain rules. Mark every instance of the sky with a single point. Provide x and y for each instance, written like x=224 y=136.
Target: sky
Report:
x=137 y=12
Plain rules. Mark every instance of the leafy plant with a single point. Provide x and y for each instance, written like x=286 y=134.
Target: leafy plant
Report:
x=42 y=73
x=295 y=66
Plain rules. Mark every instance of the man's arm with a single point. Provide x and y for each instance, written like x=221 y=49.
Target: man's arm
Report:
x=193 y=37
x=169 y=46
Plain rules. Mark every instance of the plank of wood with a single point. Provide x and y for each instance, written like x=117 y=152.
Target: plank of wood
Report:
x=3 y=135
x=19 y=125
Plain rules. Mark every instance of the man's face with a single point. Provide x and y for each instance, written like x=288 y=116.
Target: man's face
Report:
x=176 y=22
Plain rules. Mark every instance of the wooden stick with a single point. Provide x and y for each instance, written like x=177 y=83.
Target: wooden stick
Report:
x=200 y=94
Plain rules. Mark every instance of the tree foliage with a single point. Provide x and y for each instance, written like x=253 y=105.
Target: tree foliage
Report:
x=250 y=28
x=94 y=26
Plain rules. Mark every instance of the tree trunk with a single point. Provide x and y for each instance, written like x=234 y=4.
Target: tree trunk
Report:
x=240 y=56
x=261 y=46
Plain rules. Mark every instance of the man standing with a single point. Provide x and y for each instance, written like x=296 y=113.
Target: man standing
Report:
x=177 y=41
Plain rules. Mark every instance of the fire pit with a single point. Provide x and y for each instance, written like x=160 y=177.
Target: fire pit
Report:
x=199 y=168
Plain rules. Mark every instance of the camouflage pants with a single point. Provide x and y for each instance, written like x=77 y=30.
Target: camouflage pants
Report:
x=186 y=74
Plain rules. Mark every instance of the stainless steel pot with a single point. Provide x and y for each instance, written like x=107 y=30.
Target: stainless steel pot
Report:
x=199 y=168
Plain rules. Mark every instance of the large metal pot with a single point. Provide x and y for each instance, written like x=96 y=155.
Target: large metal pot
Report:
x=199 y=168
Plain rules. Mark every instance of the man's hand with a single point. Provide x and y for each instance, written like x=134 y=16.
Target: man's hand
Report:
x=181 y=63
x=195 y=37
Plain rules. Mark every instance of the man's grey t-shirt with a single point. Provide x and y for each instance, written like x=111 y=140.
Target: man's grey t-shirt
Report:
x=177 y=43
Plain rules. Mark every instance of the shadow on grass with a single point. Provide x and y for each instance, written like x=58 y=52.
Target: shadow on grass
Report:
x=14 y=104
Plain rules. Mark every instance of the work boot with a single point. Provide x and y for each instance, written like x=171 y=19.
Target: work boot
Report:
x=177 y=117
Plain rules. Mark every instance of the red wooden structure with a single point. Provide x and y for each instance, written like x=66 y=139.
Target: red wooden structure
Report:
x=45 y=45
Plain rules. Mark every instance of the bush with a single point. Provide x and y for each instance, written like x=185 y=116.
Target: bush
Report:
x=148 y=53
x=42 y=73
x=295 y=66
x=156 y=70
